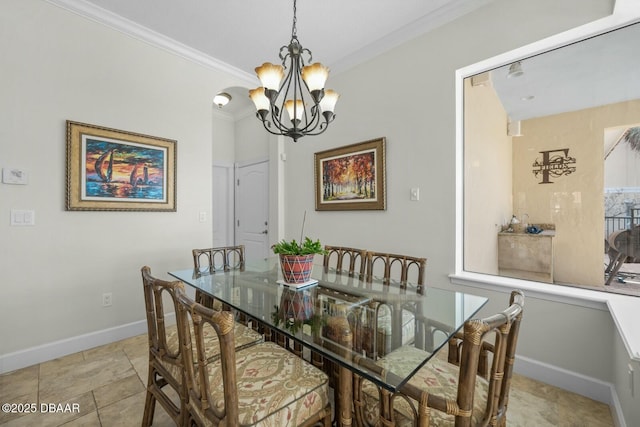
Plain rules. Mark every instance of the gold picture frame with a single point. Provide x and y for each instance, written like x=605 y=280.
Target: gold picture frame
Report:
x=351 y=177
x=114 y=170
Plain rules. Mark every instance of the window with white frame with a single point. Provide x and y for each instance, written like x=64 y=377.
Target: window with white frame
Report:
x=551 y=165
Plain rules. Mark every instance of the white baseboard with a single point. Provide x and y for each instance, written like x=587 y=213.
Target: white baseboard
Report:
x=45 y=352
x=592 y=388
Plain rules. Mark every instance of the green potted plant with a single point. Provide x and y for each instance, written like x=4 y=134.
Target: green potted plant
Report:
x=296 y=259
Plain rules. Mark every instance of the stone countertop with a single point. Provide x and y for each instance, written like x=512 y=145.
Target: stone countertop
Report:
x=522 y=233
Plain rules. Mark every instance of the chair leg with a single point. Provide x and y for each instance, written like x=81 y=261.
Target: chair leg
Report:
x=327 y=419
x=149 y=409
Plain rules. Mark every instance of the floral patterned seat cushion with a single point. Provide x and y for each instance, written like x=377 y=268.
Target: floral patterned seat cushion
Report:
x=437 y=377
x=275 y=388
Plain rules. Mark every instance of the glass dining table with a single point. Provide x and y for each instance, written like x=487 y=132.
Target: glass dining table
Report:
x=359 y=327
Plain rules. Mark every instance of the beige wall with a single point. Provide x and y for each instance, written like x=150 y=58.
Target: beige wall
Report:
x=487 y=165
x=574 y=203
x=57 y=66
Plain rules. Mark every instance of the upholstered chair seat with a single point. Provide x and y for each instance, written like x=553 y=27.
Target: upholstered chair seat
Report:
x=440 y=378
x=275 y=388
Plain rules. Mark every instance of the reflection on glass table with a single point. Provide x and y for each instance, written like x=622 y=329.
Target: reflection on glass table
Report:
x=333 y=318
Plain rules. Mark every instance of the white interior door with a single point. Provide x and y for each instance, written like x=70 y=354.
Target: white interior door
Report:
x=252 y=209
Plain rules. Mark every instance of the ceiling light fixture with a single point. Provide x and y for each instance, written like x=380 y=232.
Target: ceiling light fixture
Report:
x=302 y=84
x=515 y=70
x=221 y=99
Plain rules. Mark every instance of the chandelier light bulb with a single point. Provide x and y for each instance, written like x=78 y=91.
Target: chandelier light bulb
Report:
x=295 y=109
x=315 y=76
x=328 y=102
x=270 y=75
x=259 y=99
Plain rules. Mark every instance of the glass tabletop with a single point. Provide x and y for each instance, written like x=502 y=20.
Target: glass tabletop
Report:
x=393 y=330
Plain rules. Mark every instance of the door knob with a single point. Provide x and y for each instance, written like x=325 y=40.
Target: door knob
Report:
x=265 y=232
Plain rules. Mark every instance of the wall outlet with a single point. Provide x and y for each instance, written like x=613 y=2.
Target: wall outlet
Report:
x=107 y=299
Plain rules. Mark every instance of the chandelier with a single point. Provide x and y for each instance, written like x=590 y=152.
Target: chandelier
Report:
x=302 y=85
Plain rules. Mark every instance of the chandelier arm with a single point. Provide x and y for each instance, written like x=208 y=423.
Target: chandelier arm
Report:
x=284 y=57
x=268 y=128
x=323 y=127
x=303 y=50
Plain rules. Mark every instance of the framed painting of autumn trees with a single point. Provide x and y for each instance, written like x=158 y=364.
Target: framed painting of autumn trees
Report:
x=351 y=177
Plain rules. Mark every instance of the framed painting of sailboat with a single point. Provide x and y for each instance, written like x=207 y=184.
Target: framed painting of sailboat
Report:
x=115 y=170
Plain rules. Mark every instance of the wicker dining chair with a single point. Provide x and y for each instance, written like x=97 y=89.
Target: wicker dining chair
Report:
x=165 y=357
x=468 y=388
x=259 y=385
x=399 y=271
x=394 y=268
x=343 y=259
x=211 y=260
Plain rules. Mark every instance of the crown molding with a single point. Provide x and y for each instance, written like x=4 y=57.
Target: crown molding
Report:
x=139 y=32
x=436 y=18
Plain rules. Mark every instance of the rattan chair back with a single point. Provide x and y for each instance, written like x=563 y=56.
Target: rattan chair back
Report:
x=394 y=268
x=345 y=260
x=222 y=258
x=210 y=260
x=165 y=357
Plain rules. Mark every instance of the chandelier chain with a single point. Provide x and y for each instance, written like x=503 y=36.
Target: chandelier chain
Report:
x=294 y=30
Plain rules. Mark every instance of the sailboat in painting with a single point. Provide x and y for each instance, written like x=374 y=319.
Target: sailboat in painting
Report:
x=105 y=176
x=133 y=178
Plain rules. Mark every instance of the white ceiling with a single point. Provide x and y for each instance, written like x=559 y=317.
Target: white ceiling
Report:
x=597 y=71
x=239 y=35
x=246 y=33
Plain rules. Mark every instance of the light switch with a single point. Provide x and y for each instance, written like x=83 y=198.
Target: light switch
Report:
x=23 y=217
x=203 y=216
x=415 y=194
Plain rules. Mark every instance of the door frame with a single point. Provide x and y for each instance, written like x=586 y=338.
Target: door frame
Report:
x=230 y=201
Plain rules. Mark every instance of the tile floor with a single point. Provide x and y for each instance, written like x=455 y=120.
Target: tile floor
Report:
x=106 y=384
